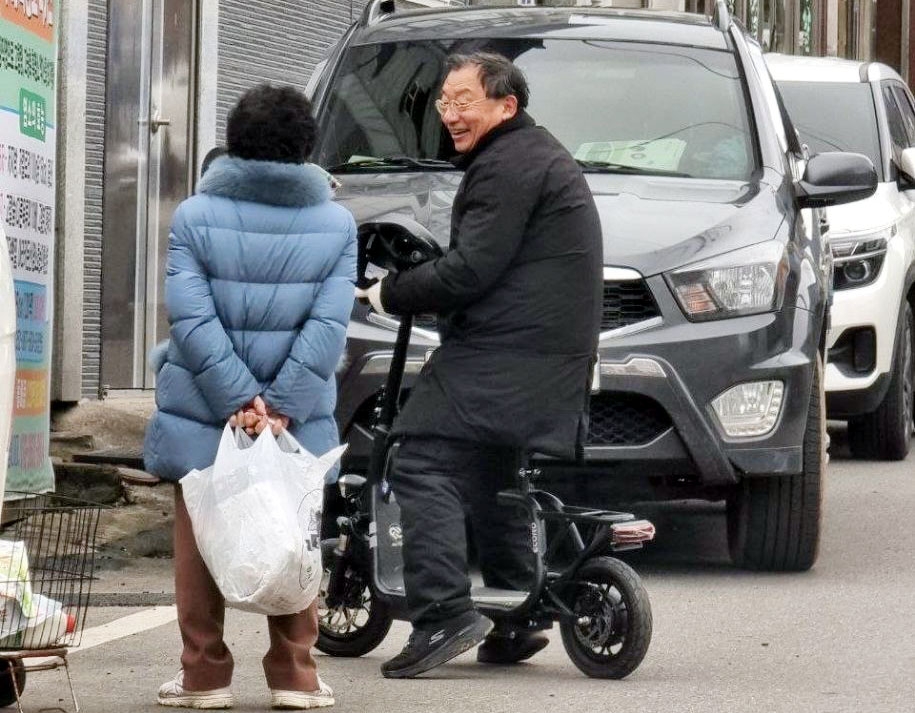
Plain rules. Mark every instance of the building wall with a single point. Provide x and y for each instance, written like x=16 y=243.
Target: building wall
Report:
x=241 y=43
x=80 y=167
x=66 y=375
x=888 y=38
x=275 y=41
x=910 y=42
x=97 y=53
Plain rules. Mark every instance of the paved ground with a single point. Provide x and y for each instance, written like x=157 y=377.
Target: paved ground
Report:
x=837 y=639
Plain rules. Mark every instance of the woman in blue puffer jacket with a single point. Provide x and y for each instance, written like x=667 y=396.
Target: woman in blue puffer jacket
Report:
x=259 y=289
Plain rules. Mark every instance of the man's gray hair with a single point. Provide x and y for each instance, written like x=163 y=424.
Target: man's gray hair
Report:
x=501 y=78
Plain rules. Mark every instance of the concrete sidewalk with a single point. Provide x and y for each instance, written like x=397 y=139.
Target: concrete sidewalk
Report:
x=118 y=421
x=134 y=544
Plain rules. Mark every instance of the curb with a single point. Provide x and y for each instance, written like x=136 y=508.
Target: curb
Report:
x=130 y=599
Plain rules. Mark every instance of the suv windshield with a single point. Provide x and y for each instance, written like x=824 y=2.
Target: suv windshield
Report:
x=832 y=116
x=616 y=106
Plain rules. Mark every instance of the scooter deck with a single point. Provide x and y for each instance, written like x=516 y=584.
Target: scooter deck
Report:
x=491 y=598
x=497 y=599
x=387 y=543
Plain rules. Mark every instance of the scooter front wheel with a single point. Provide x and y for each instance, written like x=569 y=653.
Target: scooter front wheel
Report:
x=611 y=630
x=359 y=622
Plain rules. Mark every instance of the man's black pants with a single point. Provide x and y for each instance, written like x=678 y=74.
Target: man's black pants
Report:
x=437 y=481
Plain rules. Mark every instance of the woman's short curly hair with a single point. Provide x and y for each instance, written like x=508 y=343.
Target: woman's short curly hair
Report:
x=271 y=124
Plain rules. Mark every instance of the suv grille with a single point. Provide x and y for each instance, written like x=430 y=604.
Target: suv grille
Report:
x=623 y=419
x=626 y=302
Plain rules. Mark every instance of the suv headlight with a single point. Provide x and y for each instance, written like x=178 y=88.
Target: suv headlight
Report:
x=746 y=281
x=857 y=260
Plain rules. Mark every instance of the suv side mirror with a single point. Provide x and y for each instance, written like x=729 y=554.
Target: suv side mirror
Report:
x=907 y=165
x=835 y=177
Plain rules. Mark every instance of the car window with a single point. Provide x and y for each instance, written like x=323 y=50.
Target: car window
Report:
x=908 y=115
x=894 y=120
x=834 y=116
x=646 y=107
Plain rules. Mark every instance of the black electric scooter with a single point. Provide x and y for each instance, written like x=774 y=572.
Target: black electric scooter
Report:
x=602 y=608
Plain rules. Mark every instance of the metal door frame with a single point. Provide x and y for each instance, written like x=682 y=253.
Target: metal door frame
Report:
x=132 y=193
x=149 y=282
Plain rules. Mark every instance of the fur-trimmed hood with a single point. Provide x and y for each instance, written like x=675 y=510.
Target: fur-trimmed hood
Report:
x=270 y=182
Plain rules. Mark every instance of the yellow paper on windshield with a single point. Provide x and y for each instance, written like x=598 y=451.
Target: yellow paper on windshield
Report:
x=660 y=154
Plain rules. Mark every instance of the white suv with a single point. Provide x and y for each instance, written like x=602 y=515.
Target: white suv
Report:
x=865 y=107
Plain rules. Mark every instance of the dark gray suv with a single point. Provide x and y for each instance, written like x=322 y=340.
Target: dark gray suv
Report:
x=716 y=285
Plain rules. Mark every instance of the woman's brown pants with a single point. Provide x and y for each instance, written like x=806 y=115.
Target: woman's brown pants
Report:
x=206 y=660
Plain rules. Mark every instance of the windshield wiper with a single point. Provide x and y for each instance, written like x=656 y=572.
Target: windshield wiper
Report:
x=606 y=167
x=369 y=162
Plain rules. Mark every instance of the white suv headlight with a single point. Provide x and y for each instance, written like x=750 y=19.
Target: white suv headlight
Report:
x=857 y=259
x=738 y=283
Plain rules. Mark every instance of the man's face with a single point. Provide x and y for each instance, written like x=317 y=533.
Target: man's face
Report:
x=467 y=127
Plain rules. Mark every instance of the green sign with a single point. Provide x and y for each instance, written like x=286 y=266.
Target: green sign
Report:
x=33 y=114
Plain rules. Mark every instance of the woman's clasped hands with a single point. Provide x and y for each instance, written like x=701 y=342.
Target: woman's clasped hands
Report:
x=256 y=415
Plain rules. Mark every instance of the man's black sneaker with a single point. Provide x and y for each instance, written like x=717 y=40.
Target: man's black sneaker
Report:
x=428 y=648
x=504 y=646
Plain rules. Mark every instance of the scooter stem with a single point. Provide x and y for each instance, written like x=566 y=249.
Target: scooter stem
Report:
x=382 y=428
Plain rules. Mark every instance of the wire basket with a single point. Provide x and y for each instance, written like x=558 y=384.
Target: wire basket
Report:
x=47 y=557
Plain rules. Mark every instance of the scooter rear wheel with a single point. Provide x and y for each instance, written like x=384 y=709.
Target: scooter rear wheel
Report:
x=359 y=623
x=611 y=631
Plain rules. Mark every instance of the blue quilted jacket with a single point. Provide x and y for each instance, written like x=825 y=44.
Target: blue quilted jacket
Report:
x=259 y=290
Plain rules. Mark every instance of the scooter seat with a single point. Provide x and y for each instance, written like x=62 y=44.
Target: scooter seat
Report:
x=501 y=599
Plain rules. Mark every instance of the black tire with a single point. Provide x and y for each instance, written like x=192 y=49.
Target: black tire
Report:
x=359 y=624
x=7 y=691
x=885 y=434
x=774 y=522
x=615 y=640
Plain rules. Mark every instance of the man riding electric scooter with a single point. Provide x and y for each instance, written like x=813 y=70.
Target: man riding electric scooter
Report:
x=518 y=299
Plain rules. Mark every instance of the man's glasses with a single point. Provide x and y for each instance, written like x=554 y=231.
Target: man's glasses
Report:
x=443 y=105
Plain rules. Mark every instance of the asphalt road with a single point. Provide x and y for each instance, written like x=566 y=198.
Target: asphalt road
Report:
x=838 y=638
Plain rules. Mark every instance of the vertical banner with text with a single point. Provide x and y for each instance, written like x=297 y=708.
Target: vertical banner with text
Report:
x=28 y=63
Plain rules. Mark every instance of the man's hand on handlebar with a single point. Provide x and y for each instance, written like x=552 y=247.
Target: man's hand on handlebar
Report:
x=371 y=295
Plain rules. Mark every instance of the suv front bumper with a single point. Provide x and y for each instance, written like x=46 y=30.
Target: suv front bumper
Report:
x=695 y=363
x=652 y=415
x=850 y=392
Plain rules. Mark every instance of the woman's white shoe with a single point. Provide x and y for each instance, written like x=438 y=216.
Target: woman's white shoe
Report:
x=302 y=700
x=174 y=694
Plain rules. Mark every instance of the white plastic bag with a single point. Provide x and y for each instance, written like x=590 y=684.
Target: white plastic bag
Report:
x=256 y=516
x=28 y=620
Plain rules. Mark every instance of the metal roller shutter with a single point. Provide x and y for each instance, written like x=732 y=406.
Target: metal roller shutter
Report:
x=277 y=41
x=96 y=54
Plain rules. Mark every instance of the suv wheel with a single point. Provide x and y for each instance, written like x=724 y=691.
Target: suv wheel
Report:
x=774 y=522
x=885 y=433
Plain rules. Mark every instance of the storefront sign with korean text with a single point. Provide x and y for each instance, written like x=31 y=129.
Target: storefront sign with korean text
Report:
x=28 y=56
